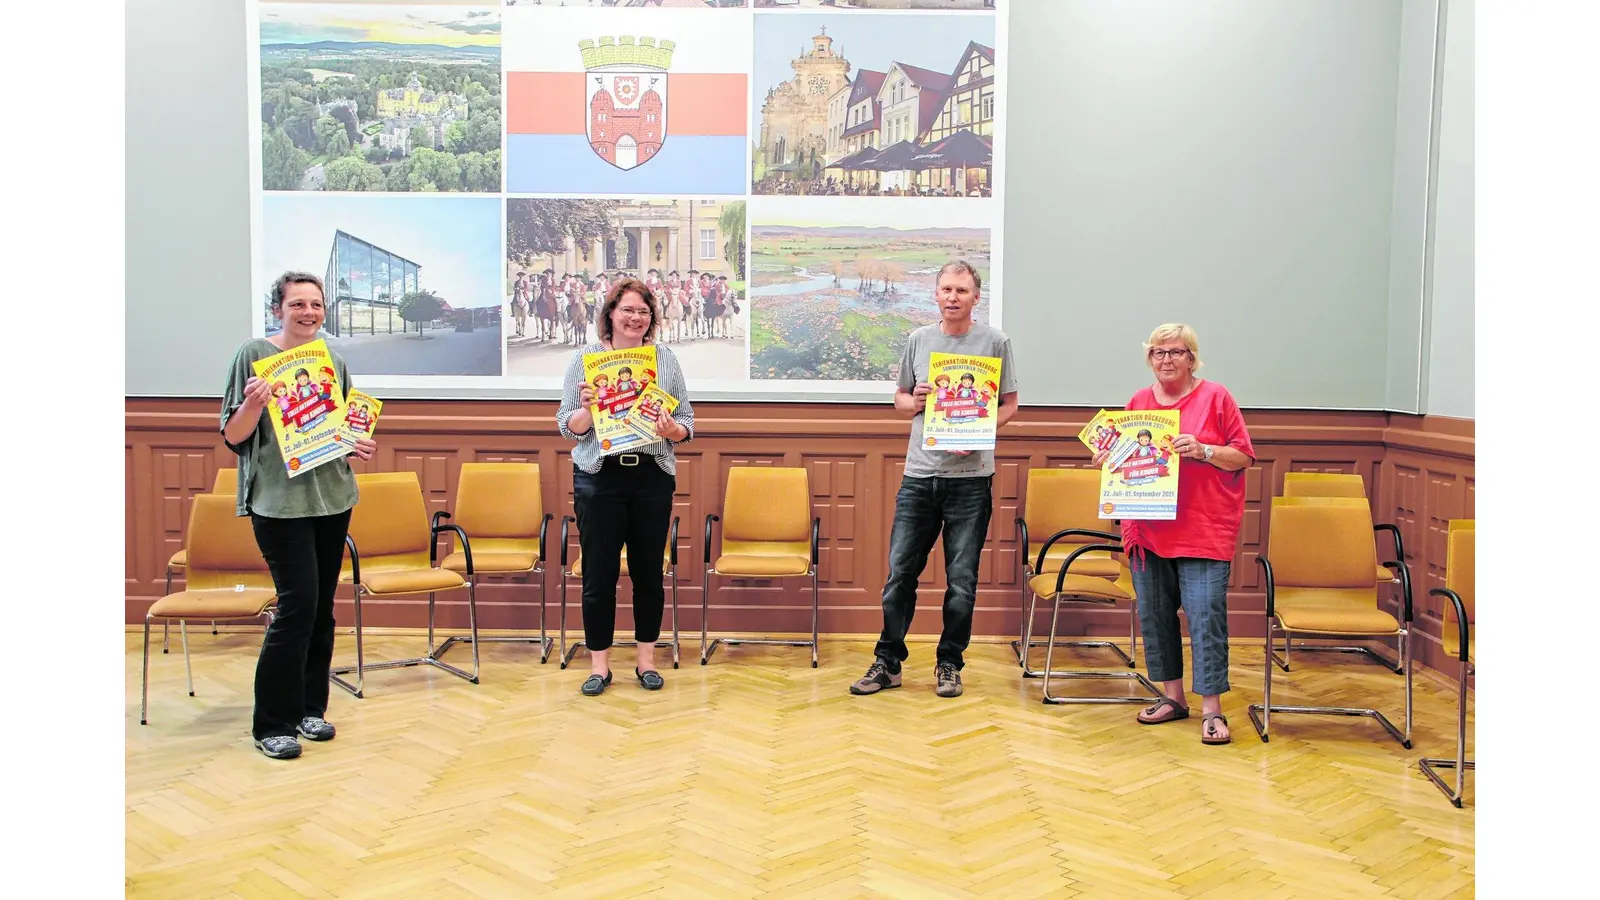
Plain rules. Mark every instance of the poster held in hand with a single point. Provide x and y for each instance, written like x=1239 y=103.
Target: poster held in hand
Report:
x=962 y=411
x=306 y=406
x=1140 y=479
x=619 y=377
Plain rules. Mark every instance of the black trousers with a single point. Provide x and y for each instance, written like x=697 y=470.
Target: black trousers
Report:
x=622 y=506
x=292 y=674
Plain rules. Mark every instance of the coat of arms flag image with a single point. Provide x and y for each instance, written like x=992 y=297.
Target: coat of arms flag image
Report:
x=656 y=103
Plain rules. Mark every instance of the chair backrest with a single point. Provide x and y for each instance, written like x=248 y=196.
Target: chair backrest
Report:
x=1322 y=542
x=1058 y=499
x=499 y=500
x=390 y=522
x=1323 y=484
x=222 y=547
x=1460 y=555
x=227 y=482
x=767 y=505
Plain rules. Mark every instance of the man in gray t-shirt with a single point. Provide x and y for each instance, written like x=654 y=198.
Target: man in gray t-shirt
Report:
x=942 y=490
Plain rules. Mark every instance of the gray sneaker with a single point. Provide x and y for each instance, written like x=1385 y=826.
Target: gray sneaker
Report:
x=315 y=729
x=279 y=747
x=878 y=678
x=949 y=679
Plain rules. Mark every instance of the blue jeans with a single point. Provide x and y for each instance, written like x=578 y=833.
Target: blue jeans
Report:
x=960 y=507
x=1200 y=586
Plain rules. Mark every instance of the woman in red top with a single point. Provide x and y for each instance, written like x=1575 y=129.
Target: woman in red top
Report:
x=1185 y=562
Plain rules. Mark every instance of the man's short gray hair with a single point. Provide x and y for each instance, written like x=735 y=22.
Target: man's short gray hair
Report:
x=961 y=265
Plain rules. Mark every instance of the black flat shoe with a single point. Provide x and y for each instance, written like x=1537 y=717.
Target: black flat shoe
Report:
x=651 y=679
x=594 y=685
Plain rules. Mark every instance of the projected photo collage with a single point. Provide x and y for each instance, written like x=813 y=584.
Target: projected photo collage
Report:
x=470 y=178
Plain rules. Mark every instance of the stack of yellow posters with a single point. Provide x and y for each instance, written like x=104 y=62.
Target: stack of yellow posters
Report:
x=1139 y=479
x=963 y=407
x=307 y=406
x=652 y=405
x=360 y=417
x=618 y=377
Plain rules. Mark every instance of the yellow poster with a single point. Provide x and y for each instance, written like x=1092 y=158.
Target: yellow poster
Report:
x=962 y=410
x=653 y=403
x=618 y=377
x=1101 y=432
x=360 y=417
x=1140 y=478
x=306 y=407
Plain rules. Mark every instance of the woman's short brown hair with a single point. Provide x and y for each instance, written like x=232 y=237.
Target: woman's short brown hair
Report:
x=614 y=297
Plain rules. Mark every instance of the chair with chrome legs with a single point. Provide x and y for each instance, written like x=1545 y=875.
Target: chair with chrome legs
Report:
x=1063 y=503
x=767 y=532
x=394 y=552
x=669 y=567
x=1318 y=578
x=501 y=505
x=226 y=482
x=1460 y=590
x=1341 y=484
x=1063 y=586
x=226 y=579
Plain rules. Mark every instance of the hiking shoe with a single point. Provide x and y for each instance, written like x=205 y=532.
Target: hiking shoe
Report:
x=878 y=678
x=313 y=728
x=279 y=747
x=949 y=679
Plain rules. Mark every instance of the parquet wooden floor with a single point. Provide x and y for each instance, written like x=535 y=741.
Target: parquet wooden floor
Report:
x=760 y=777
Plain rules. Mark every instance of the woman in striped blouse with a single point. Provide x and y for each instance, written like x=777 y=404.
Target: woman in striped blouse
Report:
x=624 y=499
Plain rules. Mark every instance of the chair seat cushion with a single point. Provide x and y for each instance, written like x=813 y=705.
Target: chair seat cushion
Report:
x=1097 y=565
x=1451 y=638
x=1090 y=587
x=412 y=581
x=750 y=565
x=1332 y=611
x=220 y=603
x=577 y=565
x=494 y=561
x=1386 y=576
x=179 y=560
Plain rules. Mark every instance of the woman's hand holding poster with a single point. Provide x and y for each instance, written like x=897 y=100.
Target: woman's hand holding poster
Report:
x=962 y=410
x=307 y=407
x=618 y=378
x=1139 y=479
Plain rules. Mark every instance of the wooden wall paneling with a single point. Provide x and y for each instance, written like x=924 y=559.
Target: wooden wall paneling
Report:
x=1420 y=473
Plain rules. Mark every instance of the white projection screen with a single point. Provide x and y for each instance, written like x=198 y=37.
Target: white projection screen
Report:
x=787 y=175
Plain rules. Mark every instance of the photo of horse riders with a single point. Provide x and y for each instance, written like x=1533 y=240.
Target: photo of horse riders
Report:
x=562 y=256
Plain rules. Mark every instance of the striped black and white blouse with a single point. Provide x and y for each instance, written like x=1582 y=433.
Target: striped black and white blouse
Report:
x=669 y=375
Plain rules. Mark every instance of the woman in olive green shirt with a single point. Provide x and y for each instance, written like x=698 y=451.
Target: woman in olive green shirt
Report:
x=300 y=525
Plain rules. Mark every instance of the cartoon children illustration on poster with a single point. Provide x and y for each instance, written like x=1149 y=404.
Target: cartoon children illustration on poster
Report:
x=960 y=414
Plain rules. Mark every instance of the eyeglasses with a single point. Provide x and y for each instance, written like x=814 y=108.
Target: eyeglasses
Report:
x=634 y=312
x=1168 y=354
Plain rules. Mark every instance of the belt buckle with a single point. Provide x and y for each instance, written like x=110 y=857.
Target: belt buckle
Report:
x=628 y=459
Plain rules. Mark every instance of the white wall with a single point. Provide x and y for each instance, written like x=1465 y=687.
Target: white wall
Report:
x=1450 y=322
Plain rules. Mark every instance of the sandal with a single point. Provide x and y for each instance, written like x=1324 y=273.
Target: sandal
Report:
x=650 y=679
x=1207 y=729
x=1178 y=712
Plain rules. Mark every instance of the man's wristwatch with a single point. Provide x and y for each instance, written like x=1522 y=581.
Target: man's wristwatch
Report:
x=1207 y=449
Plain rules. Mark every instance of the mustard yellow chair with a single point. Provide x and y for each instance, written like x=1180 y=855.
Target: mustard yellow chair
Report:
x=502 y=506
x=767 y=532
x=1319 y=584
x=1063 y=503
x=226 y=482
x=669 y=567
x=1064 y=586
x=1461 y=590
x=394 y=552
x=226 y=579
x=1349 y=486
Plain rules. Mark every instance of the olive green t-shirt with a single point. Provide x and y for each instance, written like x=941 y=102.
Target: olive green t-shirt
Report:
x=265 y=487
